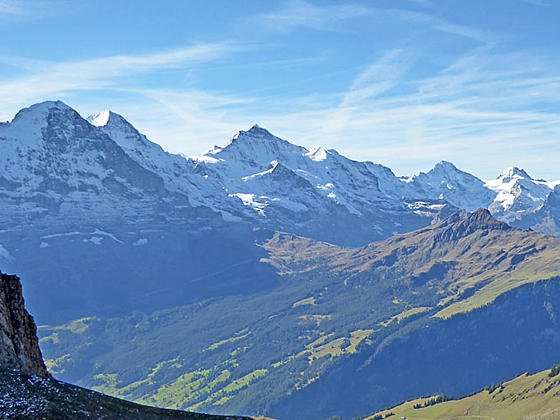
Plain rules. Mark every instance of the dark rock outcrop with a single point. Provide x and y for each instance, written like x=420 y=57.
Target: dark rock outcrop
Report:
x=479 y=221
x=19 y=346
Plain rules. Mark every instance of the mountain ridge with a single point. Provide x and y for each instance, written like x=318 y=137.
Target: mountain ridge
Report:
x=106 y=192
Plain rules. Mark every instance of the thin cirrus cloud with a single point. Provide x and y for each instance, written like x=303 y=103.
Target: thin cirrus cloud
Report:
x=9 y=7
x=46 y=79
x=28 y=10
x=485 y=104
x=303 y=14
x=379 y=77
x=327 y=18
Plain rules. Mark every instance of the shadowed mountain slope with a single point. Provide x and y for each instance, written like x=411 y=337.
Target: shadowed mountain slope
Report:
x=338 y=317
x=28 y=391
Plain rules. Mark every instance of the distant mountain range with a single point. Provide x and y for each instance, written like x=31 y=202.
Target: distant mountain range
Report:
x=99 y=192
x=56 y=164
x=265 y=278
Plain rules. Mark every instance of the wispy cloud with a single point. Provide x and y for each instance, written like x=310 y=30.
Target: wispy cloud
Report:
x=438 y=24
x=537 y=2
x=485 y=101
x=26 y=10
x=299 y=13
x=191 y=121
x=304 y=14
x=48 y=80
x=379 y=77
x=10 y=7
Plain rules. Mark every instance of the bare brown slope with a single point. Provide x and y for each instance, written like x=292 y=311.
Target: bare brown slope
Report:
x=468 y=262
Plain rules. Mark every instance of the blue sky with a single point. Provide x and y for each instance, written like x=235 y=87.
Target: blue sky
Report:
x=405 y=83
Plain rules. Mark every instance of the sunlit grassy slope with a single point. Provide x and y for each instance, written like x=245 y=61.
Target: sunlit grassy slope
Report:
x=527 y=397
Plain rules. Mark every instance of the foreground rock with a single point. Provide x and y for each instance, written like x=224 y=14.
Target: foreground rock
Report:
x=19 y=346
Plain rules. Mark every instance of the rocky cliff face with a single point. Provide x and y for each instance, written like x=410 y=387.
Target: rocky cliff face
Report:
x=19 y=346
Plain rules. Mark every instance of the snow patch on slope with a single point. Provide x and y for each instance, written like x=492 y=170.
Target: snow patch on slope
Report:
x=317 y=155
x=250 y=201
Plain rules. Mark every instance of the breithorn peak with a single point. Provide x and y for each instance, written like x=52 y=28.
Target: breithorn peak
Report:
x=514 y=171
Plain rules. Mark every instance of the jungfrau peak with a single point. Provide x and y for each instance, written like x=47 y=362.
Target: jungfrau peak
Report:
x=448 y=183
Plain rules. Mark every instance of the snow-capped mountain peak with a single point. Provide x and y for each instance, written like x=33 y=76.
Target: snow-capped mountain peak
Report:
x=259 y=131
x=513 y=172
x=41 y=110
x=52 y=158
x=255 y=149
x=122 y=132
x=444 y=165
x=49 y=122
x=99 y=119
x=517 y=193
x=257 y=134
x=49 y=150
x=110 y=119
x=445 y=181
